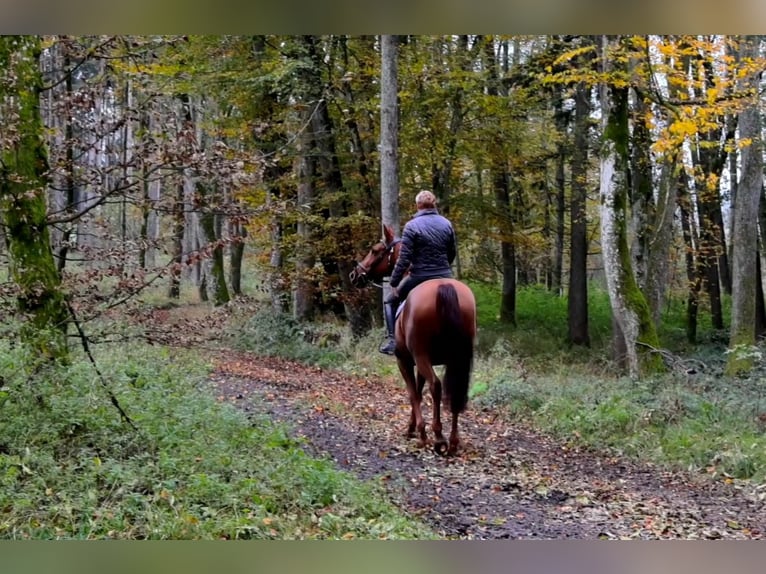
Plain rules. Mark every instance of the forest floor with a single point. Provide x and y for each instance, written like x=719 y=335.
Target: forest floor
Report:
x=507 y=480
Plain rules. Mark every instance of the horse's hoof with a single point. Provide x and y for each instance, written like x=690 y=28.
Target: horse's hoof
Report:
x=440 y=448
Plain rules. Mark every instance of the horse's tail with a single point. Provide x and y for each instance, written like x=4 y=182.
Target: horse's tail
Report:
x=459 y=347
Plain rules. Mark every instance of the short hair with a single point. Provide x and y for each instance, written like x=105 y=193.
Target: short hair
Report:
x=425 y=199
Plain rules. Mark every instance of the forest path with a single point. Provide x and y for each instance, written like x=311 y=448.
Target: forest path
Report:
x=507 y=481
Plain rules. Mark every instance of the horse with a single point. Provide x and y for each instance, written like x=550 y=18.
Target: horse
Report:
x=437 y=326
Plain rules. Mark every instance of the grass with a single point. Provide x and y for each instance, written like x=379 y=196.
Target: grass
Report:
x=704 y=424
x=196 y=468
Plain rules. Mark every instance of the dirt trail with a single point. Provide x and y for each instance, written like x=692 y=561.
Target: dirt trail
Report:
x=506 y=482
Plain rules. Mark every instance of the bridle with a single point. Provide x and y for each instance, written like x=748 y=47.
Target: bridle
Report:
x=360 y=272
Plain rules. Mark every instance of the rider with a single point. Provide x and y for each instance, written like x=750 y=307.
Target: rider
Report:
x=428 y=249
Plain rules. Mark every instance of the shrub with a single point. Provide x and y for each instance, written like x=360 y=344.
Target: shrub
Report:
x=278 y=334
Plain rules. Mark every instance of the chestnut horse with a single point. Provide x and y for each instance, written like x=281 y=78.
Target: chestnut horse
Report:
x=437 y=326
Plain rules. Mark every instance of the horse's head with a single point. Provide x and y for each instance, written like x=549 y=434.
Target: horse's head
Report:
x=379 y=261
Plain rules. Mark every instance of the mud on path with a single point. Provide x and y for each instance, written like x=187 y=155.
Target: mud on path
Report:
x=506 y=482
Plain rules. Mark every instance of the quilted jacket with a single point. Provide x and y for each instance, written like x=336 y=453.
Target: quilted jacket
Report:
x=428 y=247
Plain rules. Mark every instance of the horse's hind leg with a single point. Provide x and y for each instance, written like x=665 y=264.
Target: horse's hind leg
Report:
x=454 y=439
x=435 y=387
x=415 y=393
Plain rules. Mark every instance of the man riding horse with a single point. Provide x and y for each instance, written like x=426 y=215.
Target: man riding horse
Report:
x=428 y=248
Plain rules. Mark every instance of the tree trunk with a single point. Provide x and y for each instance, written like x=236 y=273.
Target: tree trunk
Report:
x=745 y=228
x=629 y=307
x=389 y=134
x=277 y=296
x=146 y=198
x=210 y=225
x=641 y=192
x=556 y=267
x=577 y=303
x=502 y=191
x=760 y=303
x=389 y=138
x=691 y=242
x=23 y=184
x=238 y=233
x=303 y=290
x=185 y=133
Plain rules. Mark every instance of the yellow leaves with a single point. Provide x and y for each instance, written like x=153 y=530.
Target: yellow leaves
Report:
x=683 y=128
x=570 y=55
x=744 y=142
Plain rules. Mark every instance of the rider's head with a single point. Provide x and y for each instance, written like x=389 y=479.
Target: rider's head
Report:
x=425 y=200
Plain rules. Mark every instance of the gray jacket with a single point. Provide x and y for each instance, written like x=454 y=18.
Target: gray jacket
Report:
x=428 y=247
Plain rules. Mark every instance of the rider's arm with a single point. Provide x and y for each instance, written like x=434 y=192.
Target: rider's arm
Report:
x=405 y=257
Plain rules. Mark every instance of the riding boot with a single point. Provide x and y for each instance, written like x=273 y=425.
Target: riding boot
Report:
x=389 y=312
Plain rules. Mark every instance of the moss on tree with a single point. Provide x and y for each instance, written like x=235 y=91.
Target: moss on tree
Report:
x=23 y=181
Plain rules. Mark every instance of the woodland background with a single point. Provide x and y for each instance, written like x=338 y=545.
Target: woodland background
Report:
x=633 y=161
x=606 y=192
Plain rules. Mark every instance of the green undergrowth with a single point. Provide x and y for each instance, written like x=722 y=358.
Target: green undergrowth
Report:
x=701 y=422
x=541 y=328
x=279 y=335
x=196 y=468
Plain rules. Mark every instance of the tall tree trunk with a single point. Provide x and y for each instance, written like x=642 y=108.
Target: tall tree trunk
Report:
x=178 y=214
x=279 y=302
x=23 y=183
x=556 y=266
x=745 y=228
x=642 y=208
x=389 y=139
x=68 y=234
x=303 y=289
x=389 y=134
x=502 y=191
x=760 y=303
x=691 y=242
x=629 y=307
x=238 y=233
x=146 y=198
x=578 y=264
x=210 y=226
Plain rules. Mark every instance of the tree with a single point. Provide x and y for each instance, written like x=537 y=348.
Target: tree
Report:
x=389 y=137
x=634 y=329
x=745 y=227
x=578 y=264
x=501 y=183
x=24 y=177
